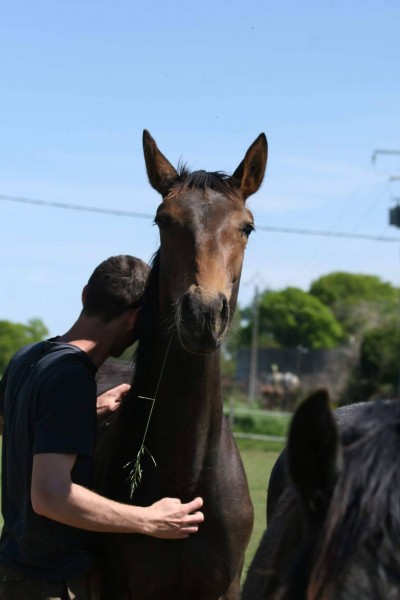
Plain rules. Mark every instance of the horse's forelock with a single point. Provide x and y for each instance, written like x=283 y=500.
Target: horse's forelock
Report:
x=217 y=181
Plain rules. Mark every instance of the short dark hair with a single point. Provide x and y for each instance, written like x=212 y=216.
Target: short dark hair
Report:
x=116 y=285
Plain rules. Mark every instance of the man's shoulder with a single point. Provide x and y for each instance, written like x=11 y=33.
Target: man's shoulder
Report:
x=27 y=353
x=49 y=360
x=29 y=349
x=18 y=367
x=66 y=357
x=39 y=353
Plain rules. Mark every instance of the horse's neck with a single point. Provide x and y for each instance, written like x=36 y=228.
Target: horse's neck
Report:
x=188 y=385
x=186 y=421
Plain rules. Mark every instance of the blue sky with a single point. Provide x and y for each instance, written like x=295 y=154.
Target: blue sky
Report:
x=81 y=80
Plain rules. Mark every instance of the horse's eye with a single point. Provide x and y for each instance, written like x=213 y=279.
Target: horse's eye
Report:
x=162 y=219
x=246 y=229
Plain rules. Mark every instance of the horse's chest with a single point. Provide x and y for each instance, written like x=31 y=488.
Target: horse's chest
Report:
x=198 y=567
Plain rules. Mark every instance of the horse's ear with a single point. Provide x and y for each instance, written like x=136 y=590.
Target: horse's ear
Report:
x=314 y=453
x=251 y=170
x=84 y=294
x=159 y=170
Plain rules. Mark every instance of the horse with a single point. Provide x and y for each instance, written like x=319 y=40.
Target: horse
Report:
x=334 y=528
x=175 y=401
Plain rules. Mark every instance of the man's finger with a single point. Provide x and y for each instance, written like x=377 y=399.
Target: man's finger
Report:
x=192 y=529
x=193 y=506
x=122 y=389
x=194 y=518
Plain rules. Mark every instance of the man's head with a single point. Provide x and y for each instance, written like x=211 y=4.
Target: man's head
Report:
x=114 y=287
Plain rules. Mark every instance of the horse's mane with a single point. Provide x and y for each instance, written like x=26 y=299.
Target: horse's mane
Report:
x=148 y=308
x=151 y=289
x=217 y=180
x=365 y=502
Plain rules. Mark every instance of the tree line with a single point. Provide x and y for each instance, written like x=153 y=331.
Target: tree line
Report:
x=15 y=335
x=339 y=309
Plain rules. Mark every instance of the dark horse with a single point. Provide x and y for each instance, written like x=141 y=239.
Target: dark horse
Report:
x=334 y=531
x=189 y=302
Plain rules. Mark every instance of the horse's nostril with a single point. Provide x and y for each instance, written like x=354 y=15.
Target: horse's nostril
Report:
x=185 y=306
x=225 y=309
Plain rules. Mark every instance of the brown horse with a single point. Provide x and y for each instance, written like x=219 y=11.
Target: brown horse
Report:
x=189 y=302
x=335 y=525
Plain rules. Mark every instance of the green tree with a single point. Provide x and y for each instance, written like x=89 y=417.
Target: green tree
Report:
x=380 y=355
x=358 y=301
x=15 y=335
x=378 y=370
x=292 y=318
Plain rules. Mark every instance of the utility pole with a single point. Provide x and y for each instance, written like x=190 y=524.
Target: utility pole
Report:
x=254 y=349
x=377 y=152
x=394 y=213
x=394 y=219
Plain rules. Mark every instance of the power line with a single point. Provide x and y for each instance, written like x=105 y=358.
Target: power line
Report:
x=127 y=213
x=80 y=207
x=337 y=234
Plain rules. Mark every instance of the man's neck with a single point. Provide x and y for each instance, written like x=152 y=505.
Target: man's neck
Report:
x=90 y=337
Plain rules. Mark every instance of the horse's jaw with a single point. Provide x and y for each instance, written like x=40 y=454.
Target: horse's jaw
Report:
x=205 y=347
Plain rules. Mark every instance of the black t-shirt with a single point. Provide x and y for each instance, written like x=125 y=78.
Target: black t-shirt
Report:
x=48 y=398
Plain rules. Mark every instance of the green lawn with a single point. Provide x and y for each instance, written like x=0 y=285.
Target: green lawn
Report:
x=258 y=461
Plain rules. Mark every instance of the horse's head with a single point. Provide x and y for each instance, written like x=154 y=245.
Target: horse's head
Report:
x=348 y=485
x=204 y=227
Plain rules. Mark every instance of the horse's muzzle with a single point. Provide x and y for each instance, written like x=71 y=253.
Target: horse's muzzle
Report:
x=202 y=321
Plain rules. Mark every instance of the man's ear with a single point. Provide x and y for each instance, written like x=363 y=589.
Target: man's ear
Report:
x=132 y=317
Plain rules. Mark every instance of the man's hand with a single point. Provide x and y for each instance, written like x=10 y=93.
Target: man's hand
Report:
x=109 y=401
x=170 y=519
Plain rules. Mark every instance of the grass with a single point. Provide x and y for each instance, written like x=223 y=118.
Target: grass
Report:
x=258 y=459
x=263 y=423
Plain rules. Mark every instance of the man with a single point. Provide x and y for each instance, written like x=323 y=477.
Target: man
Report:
x=49 y=396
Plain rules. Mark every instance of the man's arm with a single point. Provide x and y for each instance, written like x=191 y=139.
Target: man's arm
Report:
x=56 y=497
